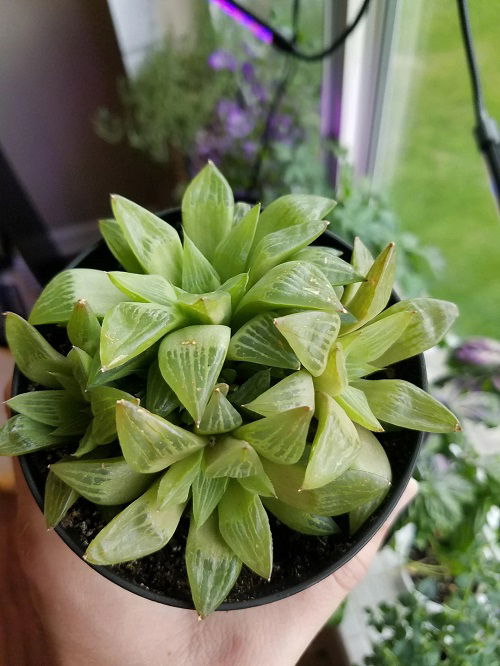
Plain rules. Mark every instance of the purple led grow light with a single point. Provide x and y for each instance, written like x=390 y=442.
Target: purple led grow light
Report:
x=246 y=20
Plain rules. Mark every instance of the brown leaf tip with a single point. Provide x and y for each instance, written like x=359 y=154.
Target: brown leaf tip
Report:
x=458 y=427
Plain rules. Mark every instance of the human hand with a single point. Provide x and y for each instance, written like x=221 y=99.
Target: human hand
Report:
x=70 y=615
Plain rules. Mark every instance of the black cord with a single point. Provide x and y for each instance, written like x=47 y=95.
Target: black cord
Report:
x=477 y=93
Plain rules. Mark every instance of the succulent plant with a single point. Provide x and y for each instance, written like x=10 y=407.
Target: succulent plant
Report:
x=222 y=377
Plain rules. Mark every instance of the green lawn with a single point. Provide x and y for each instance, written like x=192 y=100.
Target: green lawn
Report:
x=440 y=191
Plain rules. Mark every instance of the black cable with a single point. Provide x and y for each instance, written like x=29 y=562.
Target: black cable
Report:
x=477 y=93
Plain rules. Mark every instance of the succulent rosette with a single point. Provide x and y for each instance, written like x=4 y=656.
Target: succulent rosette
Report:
x=221 y=376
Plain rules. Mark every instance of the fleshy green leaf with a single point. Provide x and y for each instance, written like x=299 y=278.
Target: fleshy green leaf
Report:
x=219 y=415
x=244 y=526
x=333 y=381
x=292 y=209
x=58 y=499
x=371 y=341
x=278 y=246
x=295 y=284
x=81 y=365
x=371 y=458
x=84 y=329
x=198 y=274
x=348 y=491
x=212 y=567
x=373 y=295
x=281 y=437
x=212 y=308
x=231 y=255
x=191 y=360
x=300 y=521
x=361 y=261
x=207 y=492
x=235 y=287
x=20 y=435
x=335 y=446
x=118 y=246
x=258 y=483
x=311 y=336
x=144 y=288
x=42 y=406
x=251 y=388
x=259 y=341
x=160 y=399
x=105 y=481
x=401 y=403
x=34 y=357
x=155 y=244
x=149 y=442
x=131 y=328
x=356 y=368
x=140 y=529
x=232 y=457
x=207 y=209
x=356 y=406
x=430 y=321
x=241 y=208
x=296 y=390
x=55 y=303
x=99 y=376
x=176 y=482
x=338 y=271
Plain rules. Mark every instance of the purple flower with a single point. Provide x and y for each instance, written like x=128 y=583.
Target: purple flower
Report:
x=248 y=71
x=238 y=122
x=249 y=149
x=221 y=59
x=480 y=351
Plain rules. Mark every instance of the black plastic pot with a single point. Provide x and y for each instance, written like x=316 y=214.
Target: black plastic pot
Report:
x=304 y=561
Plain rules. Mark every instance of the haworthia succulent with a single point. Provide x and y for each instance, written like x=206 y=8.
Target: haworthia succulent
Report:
x=219 y=415
x=58 y=499
x=356 y=406
x=259 y=341
x=232 y=457
x=198 y=274
x=42 y=406
x=210 y=308
x=333 y=380
x=149 y=442
x=144 y=288
x=231 y=255
x=338 y=271
x=207 y=492
x=296 y=390
x=300 y=521
x=115 y=239
x=20 y=435
x=160 y=399
x=155 y=244
x=259 y=484
x=251 y=388
x=191 y=360
x=84 y=329
x=372 y=340
x=361 y=261
x=176 y=482
x=235 y=287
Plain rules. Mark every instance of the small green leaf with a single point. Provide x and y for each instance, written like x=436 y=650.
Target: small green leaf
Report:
x=207 y=492
x=232 y=457
x=212 y=308
x=99 y=376
x=212 y=567
x=371 y=458
x=81 y=365
x=333 y=381
x=118 y=246
x=131 y=328
x=176 y=482
x=198 y=274
x=430 y=321
x=296 y=390
x=348 y=491
x=150 y=443
x=356 y=406
x=258 y=483
x=42 y=406
x=144 y=288
x=140 y=529
x=300 y=521
x=33 y=355
x=311 y=336
x=281 y=437
x=259 y=341
x=403 y=404
x=235 y=287
x=244 y=526
x=356 y=368
x=278 y=246
x=371 y=341
x=295 y=284
x=58 y=499
x=191 y=360
x=20 y=435
x=155 y=244
x=335 y=446
x=231 y=255
x=84 y=329
x=241 y=208
x=103 y=401
x=361 y=261
x=55 y=303
x=219 y=415
x=160 y=399
x=338 y=271
x=207 y=209
x=373 y=295
x=292 y=209
x=251 y=388
x=102 y=481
